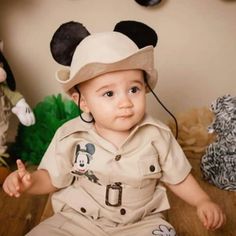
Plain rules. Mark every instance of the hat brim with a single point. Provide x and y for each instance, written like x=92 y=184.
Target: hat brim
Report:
x=142 y=59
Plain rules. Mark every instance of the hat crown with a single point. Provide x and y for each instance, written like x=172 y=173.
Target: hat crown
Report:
x=129 y=46
x=104 y=47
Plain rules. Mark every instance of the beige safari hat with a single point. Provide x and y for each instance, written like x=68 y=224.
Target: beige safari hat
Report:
x=104 y=52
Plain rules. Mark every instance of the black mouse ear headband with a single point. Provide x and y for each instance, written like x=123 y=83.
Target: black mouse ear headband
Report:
x=69 y=35
x=140 y=33
x=65 y=40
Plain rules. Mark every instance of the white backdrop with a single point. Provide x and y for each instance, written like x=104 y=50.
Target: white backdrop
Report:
x=195 y=55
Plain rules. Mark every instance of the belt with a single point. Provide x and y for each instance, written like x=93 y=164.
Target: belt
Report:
x=115 y=194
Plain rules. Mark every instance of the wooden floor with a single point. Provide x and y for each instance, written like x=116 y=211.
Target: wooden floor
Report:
x=18 y=216
x=183 y=217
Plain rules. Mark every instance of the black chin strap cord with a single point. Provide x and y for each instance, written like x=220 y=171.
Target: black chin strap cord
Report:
x=165 y=108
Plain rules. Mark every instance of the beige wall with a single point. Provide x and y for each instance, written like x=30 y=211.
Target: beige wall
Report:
x=195 y=56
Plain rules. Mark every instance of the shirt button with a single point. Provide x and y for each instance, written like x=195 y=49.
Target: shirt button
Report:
x=83 y=209
x=122 y=211
x=153 y=210
x=117 y=158
x=152 y=168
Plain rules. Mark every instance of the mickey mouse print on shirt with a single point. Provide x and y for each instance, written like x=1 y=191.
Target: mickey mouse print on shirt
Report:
x=82 y=161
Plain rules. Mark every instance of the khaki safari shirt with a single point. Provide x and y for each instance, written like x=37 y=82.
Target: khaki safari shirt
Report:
x=123 y=184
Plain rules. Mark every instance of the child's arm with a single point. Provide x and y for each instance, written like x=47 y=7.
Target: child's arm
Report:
x=190 y=191
x=21 y=181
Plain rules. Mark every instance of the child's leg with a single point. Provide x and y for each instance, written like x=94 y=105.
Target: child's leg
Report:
x=66 y=224
x=51 y=226
x=149 y=226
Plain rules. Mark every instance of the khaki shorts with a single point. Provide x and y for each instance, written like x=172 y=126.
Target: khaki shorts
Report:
x=70 y=222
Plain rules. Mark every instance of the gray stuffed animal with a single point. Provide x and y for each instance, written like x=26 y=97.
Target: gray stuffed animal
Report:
x=218 y=165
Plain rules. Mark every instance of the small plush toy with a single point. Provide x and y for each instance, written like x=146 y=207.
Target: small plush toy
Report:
x=218 y=165
x=193 y=136
x=10 y=101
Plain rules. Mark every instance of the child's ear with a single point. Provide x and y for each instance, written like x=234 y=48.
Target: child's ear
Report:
x=74 y=96
x=83 y=105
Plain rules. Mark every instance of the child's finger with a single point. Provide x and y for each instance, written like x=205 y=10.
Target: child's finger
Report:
x=21 y=168
x=224 y=219
x=204 y=219
x=220 y=221
x=10 y=188
x=15 y=184
x=6 y=189
x=27 y=179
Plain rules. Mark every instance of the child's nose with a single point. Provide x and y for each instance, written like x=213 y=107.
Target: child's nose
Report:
x=125 y=101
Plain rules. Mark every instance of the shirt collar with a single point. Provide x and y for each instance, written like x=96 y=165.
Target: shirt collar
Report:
x=149 y=120
x=73 y=126
x=77 y=125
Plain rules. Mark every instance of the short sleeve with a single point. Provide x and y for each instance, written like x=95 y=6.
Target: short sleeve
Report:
x=57 y=163
x=174 y=164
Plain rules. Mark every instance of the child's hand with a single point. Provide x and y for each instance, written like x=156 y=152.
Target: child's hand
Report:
x=210 y=214
x=18 y=181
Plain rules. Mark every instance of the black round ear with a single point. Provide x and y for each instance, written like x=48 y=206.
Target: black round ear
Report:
x=65 y=40
x=140 y=33
x=90 y=148
x=10 y=77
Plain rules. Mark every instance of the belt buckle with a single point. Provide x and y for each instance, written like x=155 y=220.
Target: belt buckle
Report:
x=114 y=187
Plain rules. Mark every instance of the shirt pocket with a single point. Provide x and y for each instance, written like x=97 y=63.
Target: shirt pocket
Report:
x=149 y=169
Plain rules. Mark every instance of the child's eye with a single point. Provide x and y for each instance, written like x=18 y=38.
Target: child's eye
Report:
x=134 y=89
x=108 y=94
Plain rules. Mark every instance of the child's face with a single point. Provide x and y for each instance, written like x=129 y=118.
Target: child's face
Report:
x=116 y=100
